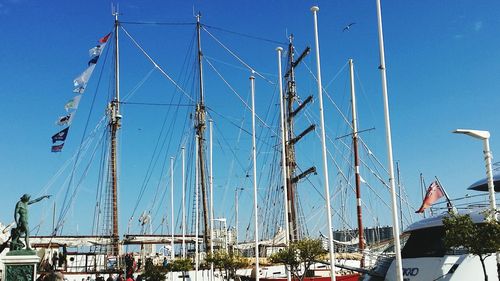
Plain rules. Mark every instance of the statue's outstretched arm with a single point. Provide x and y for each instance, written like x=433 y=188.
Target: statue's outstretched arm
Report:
x=38 y=199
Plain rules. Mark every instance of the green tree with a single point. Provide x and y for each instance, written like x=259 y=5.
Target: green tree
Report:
x=227 y=261
x=153 y=272
x=181 y=265
x=299 y=255
x=479 y=239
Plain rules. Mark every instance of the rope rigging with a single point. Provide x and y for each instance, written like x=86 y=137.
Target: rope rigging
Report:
x=238 y=95
x=65 y=208
x=157 y=104
x=246 y=35
x=169 y=115
x=157 y=66
x=347 y=160
x=252 y=70
x=65 y=204
x=157 y=23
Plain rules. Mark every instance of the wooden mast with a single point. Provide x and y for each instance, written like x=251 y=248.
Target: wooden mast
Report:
x=200 y=131
x=361 y=244
x=290 y=149
x=292 y=139
x=114 y=125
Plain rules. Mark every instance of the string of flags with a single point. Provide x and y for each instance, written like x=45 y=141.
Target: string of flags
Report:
x=79 y=85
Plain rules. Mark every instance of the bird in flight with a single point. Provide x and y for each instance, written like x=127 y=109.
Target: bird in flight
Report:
x=348 y=27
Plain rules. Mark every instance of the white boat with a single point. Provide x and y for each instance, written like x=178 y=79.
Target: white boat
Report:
x=425 y=257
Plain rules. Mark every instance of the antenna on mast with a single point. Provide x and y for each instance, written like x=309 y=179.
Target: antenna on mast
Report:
x=115 y=9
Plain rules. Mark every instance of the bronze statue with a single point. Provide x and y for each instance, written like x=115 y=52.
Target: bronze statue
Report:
x=21 y=218
x=15 y=242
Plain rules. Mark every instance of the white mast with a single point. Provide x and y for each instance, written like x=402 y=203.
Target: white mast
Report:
x=183 y=204
x=283 y=156
x=395 y=221
x=172 y=253
x=254 y=155
x=315 y=10
x=211 y=183
x=196 y=261
x=283 y=140
x=236 y=214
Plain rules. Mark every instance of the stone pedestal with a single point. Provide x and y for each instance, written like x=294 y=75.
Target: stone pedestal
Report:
x=20 y=266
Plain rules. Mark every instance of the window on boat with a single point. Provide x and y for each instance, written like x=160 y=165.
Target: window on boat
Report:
x=428 y=242
x=389 y=249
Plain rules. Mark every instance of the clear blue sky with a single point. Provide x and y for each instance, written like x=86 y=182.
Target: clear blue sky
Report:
x=442 y=65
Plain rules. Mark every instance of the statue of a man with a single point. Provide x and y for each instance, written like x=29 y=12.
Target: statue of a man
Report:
x=21 y=216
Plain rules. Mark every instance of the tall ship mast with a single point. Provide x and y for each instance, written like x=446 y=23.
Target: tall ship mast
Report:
x=114 y=125
x=361 y=243
x=291 y=139
x=200 y=125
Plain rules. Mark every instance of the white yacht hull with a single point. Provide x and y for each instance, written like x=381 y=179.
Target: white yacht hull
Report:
x=447 y=268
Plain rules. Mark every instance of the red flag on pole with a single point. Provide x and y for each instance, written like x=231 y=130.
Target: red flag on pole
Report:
x=105 y=38
x=434 y=192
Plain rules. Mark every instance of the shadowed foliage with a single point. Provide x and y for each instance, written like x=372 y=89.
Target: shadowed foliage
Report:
x=479 y=239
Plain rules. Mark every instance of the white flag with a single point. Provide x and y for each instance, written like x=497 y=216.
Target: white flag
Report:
x=73 y=103
x=83 y=79
x=66 y=119
x=97 y=50
x=80 y=89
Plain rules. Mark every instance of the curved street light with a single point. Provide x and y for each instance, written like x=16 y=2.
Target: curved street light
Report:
x=485 y=137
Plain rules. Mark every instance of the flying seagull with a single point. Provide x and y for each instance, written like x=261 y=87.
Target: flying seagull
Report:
x=348 y=27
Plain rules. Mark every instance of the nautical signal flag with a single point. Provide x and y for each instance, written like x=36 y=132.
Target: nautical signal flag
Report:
x=105 y=38
x=96 y=51
x=93 y=60
x=82 y=80
x=434 y=192
x=65 y=120
x=73 y=103
x=79 y=84
x=57 y=148
x=61 y=136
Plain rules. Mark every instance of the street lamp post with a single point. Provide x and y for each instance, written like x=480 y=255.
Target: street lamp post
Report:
x=485 y=137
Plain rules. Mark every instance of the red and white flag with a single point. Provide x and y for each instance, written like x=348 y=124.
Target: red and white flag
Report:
x=105 y=38
x=434 y=192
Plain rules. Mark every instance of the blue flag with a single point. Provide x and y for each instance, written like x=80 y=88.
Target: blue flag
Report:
x=93 y=60
x=61 y=136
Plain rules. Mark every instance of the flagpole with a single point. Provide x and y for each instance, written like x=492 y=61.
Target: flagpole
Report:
x=211 y=183
x=315 y=10
x=172 y=253
x=422 y=189
x=254 y=156
x=183 y=203
x=283 y=156
x=196 y=261
x=450 y=206
x=395 y=221
x=400 y=197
